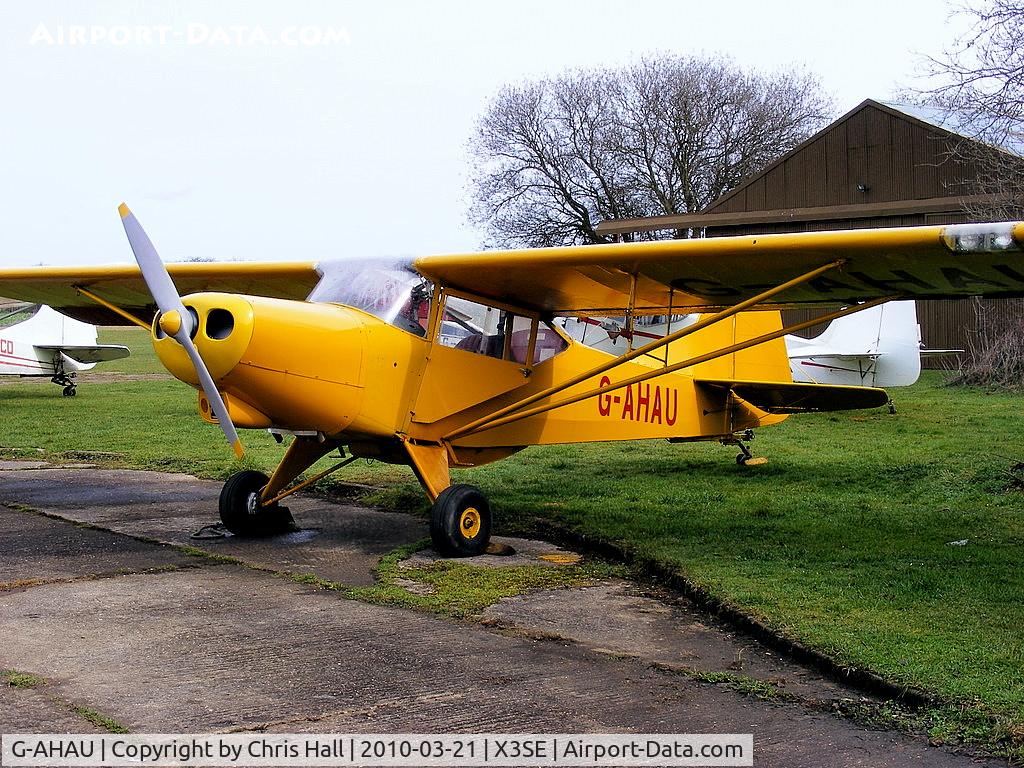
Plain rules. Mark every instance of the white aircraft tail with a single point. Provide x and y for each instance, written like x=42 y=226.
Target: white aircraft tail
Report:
x=878 y=347
x=47 y=343
x=52 y=328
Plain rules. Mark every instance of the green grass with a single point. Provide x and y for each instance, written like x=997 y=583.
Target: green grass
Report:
x=841 y=542
x=9 y=316
x=143 y=357
x=150 y=424
x=460 y=590
x=17 y=679
x=748 y=686
x=98 y=718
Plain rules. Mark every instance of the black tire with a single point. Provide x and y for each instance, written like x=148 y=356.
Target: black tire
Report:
x=241 y=513
x=460 y=522
x=70 y=391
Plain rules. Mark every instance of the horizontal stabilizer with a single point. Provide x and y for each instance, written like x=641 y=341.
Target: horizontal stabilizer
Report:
x=88 y=354
x=808 y=352
x=787 y=397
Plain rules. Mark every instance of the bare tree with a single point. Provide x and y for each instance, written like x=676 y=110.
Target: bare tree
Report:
x=555 y=157
x=981 y=86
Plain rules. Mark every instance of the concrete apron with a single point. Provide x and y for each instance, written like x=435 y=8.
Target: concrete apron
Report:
x=117 y=622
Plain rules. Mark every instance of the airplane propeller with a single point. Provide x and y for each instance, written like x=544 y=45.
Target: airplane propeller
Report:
x=175 y=320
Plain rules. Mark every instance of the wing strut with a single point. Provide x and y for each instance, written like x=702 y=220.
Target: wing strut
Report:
x=491 y=422
x=644 y=350
x=113 y=308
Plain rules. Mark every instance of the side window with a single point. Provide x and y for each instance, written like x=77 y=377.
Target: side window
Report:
x=546 y=345
x=549 y=344
x=486 y=330
x=472 y=327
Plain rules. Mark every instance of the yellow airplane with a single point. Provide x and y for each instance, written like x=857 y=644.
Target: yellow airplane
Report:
x=452 y=361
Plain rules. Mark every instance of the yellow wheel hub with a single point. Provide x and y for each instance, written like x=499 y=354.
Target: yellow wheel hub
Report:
x=469 y=522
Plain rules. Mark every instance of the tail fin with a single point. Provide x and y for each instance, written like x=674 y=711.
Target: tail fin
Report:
x=878 y=347
x=876 y=330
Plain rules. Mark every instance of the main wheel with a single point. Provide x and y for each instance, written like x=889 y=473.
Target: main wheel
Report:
x=70 y=390
x=240 y=509
x=460 y=521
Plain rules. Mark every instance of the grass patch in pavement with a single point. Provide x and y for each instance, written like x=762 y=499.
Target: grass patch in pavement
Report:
x=460 y=590
x=17 y=679
x=99 y=719
x=25 y=681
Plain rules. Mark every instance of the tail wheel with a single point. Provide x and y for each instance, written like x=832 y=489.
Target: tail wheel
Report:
x=460 y=522
x=240 y=509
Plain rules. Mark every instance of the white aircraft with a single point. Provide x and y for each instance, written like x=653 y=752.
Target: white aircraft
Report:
x=878 y=347
x=36 y=340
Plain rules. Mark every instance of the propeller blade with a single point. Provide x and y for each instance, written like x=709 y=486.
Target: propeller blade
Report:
x=220 y=409
x=153 y=271
x=180 y=322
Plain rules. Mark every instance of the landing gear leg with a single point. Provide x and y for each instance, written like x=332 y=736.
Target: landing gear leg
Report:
x=460 y=518
x=241 y=511
x=249 y=500
x=745 y=458
x=63 y=378
x=892 y=406
x=744 y=455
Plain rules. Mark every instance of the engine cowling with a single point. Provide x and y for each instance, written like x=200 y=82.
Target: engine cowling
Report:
x=288 y=364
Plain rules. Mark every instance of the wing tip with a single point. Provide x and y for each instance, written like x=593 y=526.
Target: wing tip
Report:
x=123 y=210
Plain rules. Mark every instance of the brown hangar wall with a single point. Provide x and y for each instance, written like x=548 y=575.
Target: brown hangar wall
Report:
x=872 y=155
x=876 y=166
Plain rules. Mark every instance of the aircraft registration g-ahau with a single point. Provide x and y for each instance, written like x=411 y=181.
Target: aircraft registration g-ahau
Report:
x=879 y=347
x=454 y=361
x=35 y=340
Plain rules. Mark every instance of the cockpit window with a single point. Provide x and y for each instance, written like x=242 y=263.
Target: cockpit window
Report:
x=388 y=289
x=486 y=330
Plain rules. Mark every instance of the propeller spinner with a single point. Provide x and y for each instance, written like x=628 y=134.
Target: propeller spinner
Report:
x=174 y=319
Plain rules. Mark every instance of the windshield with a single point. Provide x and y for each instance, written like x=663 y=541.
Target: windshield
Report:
x=386 y=288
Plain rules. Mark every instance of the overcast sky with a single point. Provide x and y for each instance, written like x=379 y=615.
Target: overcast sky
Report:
x=311 y=130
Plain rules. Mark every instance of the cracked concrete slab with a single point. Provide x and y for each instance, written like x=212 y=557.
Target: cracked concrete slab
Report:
x=338 y=542
x=22 y=464
x=621 y=618
x=37 y=548
x=23 y=710
x=225 y=647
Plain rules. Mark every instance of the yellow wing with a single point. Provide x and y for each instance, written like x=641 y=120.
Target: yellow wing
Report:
x=710 y=273
x=679 y=275
x=123 y=285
